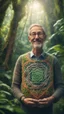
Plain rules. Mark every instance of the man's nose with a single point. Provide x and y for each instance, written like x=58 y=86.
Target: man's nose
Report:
x=36 y=36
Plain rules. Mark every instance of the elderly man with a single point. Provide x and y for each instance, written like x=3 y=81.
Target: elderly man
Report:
x=37 y=80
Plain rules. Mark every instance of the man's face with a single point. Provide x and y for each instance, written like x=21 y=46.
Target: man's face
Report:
x=36 y=37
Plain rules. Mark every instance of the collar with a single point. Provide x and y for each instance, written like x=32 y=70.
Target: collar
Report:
x=33 y=56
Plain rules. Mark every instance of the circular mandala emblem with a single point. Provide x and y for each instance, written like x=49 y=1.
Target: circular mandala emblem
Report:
x=37 y=75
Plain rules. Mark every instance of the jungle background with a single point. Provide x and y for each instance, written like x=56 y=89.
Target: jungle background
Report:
x=15 y=18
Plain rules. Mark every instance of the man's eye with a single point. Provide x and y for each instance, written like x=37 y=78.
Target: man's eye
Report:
x=40 y=33
x=33 y=33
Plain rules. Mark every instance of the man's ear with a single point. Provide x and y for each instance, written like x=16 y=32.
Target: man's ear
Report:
x=29 y=38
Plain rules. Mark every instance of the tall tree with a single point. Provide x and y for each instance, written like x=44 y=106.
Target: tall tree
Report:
x=19 y=12
x=3 y=7
x=59 y=8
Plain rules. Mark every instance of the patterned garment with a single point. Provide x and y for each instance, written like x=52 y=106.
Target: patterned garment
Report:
x=37 y=77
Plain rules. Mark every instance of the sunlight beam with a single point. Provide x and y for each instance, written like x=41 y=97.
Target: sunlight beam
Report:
x=35 y=6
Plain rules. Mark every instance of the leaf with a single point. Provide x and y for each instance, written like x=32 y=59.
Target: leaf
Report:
x=18 y=110
x=57 y=48
x=5 y=92
x=1 y=112
x=7 y=107
x=52 y=36
x=4 y=86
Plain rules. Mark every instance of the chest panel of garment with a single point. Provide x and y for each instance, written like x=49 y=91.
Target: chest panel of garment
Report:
x=37 y=77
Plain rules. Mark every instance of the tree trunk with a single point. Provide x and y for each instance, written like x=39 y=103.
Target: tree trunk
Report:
x=59 y=8
x=3 y=7
x=18 y=14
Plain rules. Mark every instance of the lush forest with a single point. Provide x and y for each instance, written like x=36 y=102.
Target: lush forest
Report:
x=15 y=18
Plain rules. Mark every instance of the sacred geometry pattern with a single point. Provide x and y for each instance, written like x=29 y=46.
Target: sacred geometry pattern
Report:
x=37 y=75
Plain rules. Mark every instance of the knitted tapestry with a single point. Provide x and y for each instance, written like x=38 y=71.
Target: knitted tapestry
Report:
x=37 y=77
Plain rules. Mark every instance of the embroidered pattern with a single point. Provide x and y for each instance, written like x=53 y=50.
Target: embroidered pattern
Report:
x=37 y=77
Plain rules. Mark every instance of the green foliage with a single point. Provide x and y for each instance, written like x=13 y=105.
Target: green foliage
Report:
x=56 y=47
x=6 y=22
x=4 y=31
x=19 y=49
x=57 y=39
x=59 y=8
x=59 y=107
x=57 y=42
x=8 y=104
x=59 y=26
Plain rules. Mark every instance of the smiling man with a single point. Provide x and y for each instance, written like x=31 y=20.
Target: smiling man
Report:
x=37 y=80
x=36 y=36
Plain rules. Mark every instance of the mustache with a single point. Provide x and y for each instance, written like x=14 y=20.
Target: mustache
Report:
x=36 y=40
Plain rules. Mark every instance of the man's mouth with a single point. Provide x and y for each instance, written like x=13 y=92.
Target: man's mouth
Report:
x=36 y=40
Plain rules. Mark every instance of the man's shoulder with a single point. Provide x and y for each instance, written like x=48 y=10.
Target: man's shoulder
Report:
x=23 y=55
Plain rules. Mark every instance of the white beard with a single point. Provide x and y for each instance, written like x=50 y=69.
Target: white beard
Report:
x=37 y=45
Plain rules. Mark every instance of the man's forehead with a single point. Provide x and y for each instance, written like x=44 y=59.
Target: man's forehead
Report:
x=36 y=28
